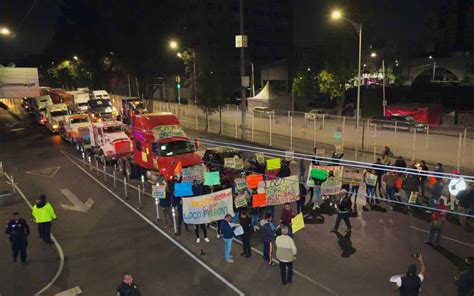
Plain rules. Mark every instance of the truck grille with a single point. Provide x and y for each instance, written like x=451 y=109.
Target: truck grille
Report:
x=122 y=146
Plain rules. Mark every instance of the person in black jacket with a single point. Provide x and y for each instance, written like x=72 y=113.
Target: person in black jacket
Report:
x=285 y=169
x=344 y=206
x=246 y=222
x=128 y=286
x=18 y=230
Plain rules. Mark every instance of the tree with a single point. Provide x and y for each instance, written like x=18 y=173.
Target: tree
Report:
x=334 y=86
x=68 y=75
x=304 y=85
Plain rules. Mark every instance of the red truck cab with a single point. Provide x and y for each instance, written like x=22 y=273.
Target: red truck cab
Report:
x=159 y=144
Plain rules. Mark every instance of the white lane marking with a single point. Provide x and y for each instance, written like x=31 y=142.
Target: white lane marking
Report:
x=294 y=270
x=17 y=129
x=58 y=246
x=78 y=205
x=46 y=172
x=175 y=242
x=445 y=237
x=71 y=292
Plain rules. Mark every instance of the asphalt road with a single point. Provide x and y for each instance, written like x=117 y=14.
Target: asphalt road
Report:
x=111 y=238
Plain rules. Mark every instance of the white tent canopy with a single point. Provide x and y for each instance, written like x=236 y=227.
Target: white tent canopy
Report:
x=267 y=97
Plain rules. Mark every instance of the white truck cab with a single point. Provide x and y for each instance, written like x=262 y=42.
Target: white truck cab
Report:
x=100 y=94
x=39 y=108
x=75 y=127
x=108 y=140
x=55 y=116
x=80 y=100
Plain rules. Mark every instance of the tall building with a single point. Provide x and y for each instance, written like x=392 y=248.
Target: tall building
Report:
x=210 y=26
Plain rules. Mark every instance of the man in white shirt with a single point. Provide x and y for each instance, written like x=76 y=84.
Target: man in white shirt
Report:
x=286 y=252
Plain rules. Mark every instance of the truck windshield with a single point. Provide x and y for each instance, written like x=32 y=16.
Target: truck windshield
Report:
x=175 y=148
x=79 y=120
x=59 y=113
x=112 y=129
x=99 y=103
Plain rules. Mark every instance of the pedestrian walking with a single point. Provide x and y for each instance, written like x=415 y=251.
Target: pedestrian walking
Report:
x=268 y=236
x=246 y=222
x=43 y=215
x=410 y=283
x=344 y=206
x=438 y=218
x=18 y=230
x=228 y=235
x=128 y=286
x=285 y=253
x=316 y=193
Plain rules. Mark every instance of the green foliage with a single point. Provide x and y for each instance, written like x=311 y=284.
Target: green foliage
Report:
x=69 y=74
x=334 y=85
x=468 y=80
x=304 y=85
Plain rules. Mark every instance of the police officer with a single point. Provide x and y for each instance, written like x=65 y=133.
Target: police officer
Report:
x=18 y=230
x=128 y=287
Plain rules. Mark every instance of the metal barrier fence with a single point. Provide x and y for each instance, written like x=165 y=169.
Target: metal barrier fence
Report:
x=298 y=131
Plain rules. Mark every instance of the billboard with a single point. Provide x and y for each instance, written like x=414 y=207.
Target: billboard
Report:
x=19 y=82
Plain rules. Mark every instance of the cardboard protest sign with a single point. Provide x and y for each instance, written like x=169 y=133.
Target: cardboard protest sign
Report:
x=212 y=178
x=339 y=149
x=240 y=183
x=289 y=155
x=413 y=198
x=297 y=223
x=370 y=179
x=207 y=208
x=240 y=201
x=158 y=191
x=183 y=189
x=260 y=157
x=352 y=177
x=273 y=164
x=259 y=200
x=282 y=190
x=336 y=170
x=252 y=180
x=229 y=162
x=347 y=177
x=319 y=174
x=239 y=164
x=357 y=178
x=192 y=173
x=331 y=186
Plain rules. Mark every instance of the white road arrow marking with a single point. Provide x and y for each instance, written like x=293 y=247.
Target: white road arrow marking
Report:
x=78 y=205
x=71 y=292
x=46 y=172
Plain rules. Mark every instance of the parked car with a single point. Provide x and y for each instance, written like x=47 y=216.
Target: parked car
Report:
x=315 y=114
x=401 y=122
x=261 y=111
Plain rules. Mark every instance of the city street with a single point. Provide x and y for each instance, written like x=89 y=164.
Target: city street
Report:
x=102 y=234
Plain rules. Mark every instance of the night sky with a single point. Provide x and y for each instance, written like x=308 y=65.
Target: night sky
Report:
x=402 y=20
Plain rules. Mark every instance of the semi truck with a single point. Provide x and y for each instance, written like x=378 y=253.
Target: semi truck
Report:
x=58 y=95
x=79 y=99
x=55 y=116
x=74 y=128
x=159 y=146
x=108 y=140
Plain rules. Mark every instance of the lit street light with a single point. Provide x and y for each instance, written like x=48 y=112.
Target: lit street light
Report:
x=75 y=58
x=173 y=44
x=5 y=31
x=373 y=55
x=179 y=55
x=336 y=15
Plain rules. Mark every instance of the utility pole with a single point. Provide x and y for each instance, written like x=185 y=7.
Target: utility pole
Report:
x=243 y=102
x=384 y=101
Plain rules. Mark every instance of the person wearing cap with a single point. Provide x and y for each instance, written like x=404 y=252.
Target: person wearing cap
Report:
x=43 y=215
x=344 y=206
x=410 y=283
x=18 y=230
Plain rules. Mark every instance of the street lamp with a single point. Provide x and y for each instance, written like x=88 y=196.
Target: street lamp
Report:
x=373 y=55
x=337 y=15
x=174 y=45
x=75 y=58
x=5 y=31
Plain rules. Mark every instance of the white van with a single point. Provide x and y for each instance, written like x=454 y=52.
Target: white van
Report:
x=100 y=94
x=56 y=115
x=80 y=100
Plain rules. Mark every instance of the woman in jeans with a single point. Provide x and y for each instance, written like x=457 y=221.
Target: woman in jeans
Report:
x=316 y=193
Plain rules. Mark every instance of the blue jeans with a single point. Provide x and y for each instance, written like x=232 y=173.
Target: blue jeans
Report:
x=355 y=193
x=316 y=195
x=254 y=220
x=227 y=248
x=370 y=191
x=267 y=252
x=432 y=201
x=434 y=235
